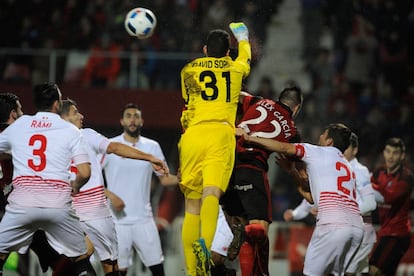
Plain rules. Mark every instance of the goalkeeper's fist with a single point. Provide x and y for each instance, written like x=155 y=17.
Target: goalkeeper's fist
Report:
x=240 y=31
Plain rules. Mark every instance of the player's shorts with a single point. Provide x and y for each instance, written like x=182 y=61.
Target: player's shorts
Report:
x=388 y=253
x=62 y=228
x=144 y=238
x=223 y=235
x=248 y=194
x=331 y=248
x=360 y=262
x=207 y=153
x=102 y=234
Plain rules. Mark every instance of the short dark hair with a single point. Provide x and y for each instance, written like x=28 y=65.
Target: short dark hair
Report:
x=218 y=43
x=353 y=140
x=291 y=96
x=396 y=142
x=340 y=135
x=127 y=106
x=45 y=95
x=8 y=102
x=66 y=104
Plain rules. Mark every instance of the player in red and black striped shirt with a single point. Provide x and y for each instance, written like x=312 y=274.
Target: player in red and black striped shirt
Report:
x=394 y=182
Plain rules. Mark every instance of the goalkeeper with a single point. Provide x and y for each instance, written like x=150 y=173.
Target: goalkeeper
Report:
x=210 y=88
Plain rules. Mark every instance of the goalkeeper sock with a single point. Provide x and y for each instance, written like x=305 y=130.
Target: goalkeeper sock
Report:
x=189 y=234
x=208 y=215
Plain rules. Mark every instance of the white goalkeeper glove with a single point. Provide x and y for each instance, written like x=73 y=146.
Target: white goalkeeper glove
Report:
x=240 y=31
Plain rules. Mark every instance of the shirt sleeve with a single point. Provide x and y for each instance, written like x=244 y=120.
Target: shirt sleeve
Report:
x=302 y=210
x=244 y=57
x=79 y=151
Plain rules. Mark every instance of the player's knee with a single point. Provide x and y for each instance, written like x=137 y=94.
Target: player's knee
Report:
x=255 y=231
x=110 y=266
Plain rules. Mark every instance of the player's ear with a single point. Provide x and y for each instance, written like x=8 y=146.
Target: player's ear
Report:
x=329 y=142
x=13 y=114
x=205 y=50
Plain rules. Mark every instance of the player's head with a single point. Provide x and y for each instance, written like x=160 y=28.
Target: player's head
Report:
x=292 y=97
x=218 y=44
x=47 y=97
x=336 y=135
x=10 y=108
x=352 y=150
x=394 y=153
x=70 y=113
x=131 y=120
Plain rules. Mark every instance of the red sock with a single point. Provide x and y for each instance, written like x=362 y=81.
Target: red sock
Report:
x=246 y=259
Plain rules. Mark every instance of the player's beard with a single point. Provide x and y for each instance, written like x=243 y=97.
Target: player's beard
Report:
x=135 y=133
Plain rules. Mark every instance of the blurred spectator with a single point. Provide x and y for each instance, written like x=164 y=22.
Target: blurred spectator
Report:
x=361 y=55
x=168 y=70
x=143 y=57
x=342 y=105
x=311 y=19
x=322 y=73
x=393 y=60
x=217 y=15
x=83 y=35
x=266 y=88
x=102 y=68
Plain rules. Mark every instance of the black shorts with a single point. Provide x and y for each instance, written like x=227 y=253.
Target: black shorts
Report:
x=248 y=194
x=388 y=253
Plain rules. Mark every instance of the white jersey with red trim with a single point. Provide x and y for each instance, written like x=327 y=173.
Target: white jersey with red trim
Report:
x=332 y=184
x=130 y=179
x=42 y=148
x=91 y=203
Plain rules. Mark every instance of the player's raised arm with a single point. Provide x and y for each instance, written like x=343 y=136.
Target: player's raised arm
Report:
x=241 y=33
x=133 y=153
x=270 y=144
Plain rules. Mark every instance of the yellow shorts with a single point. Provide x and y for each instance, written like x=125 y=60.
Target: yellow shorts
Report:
x=207 y=155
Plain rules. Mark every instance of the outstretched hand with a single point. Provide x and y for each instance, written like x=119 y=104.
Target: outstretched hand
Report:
x=159 y=166
x=285 y=163
x=240 y=31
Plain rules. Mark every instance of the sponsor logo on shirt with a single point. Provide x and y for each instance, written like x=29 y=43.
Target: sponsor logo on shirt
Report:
x=243 y=187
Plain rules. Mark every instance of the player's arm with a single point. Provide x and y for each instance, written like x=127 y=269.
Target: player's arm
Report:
x=241 y=33
x=297 y=171
x=133 y=153
x=367 y=202
x=82 y=176
x=169 y=180
x=116 y=202
x=270 y=144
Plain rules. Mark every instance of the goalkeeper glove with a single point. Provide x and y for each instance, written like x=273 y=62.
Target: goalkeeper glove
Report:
x=239 y=31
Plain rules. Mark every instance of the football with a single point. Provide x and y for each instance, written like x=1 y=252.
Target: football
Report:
x=140 y=22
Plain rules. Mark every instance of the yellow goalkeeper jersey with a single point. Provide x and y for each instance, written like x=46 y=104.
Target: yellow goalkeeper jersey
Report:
x=211 y=86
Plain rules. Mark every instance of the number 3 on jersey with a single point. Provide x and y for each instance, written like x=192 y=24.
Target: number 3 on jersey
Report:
x=38 y=142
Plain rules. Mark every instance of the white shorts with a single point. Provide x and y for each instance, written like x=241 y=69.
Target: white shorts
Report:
x=360 y=262
x=144 y=238
x=102 y=234
x=331 y=248
x=62 y=228
x=223 y=235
